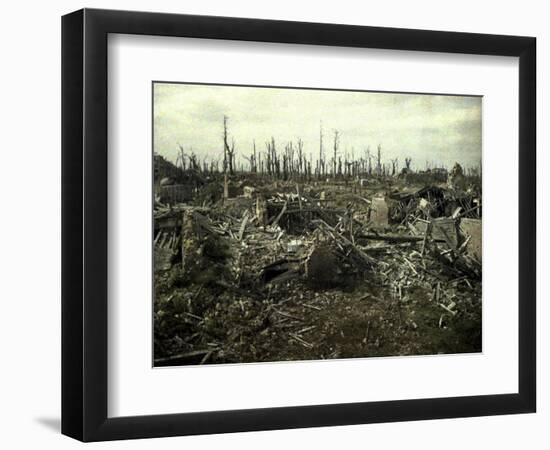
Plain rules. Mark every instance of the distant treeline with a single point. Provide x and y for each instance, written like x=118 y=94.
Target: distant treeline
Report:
x=289 y=161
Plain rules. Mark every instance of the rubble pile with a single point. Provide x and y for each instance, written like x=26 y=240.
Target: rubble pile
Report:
x=290 y=272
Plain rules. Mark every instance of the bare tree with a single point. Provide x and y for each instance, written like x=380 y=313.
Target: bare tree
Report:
x=254 y=158
x=225 y=145
x=231 y=157
x=273 y=162
x=301 y=157
x=368 y=158
x=335 y=149
x=181 y=158
x=320 y=163
x=394 y=166
x=379 y=160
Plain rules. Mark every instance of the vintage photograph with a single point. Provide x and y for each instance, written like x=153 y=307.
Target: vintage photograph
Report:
x=296 y=224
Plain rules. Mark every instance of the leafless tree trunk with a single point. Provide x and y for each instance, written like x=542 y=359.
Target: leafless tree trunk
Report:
x=394 y=166
x=231 y=157
x=379 y=160
x=320 y=162
x=225 y=144
x=335 y=148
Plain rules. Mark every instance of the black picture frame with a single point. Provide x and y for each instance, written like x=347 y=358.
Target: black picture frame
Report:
x=84 y=224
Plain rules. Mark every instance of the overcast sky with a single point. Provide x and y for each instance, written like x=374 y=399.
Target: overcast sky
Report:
x=435 y=128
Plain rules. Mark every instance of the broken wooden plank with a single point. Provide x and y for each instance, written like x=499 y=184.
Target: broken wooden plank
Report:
x=283 y=210
x=195 y=356
x=427 y=235
x=398 y=238
x=287 y=315
x=299 y=196
x=306 y=329
x=243 y=226
x=368 y=259
x=301 y=340
x=307 y=305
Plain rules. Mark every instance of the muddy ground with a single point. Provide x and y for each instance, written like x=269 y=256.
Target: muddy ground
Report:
x=219 y=303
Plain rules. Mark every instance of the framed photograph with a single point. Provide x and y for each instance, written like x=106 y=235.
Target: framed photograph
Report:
x=273 y=224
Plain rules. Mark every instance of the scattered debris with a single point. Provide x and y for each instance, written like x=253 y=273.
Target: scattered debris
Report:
x=287 y=270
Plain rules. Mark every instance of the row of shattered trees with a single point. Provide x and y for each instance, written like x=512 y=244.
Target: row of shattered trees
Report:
x=291 y=162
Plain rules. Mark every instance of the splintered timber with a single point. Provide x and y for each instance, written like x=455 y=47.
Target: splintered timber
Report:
x=320 y=246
